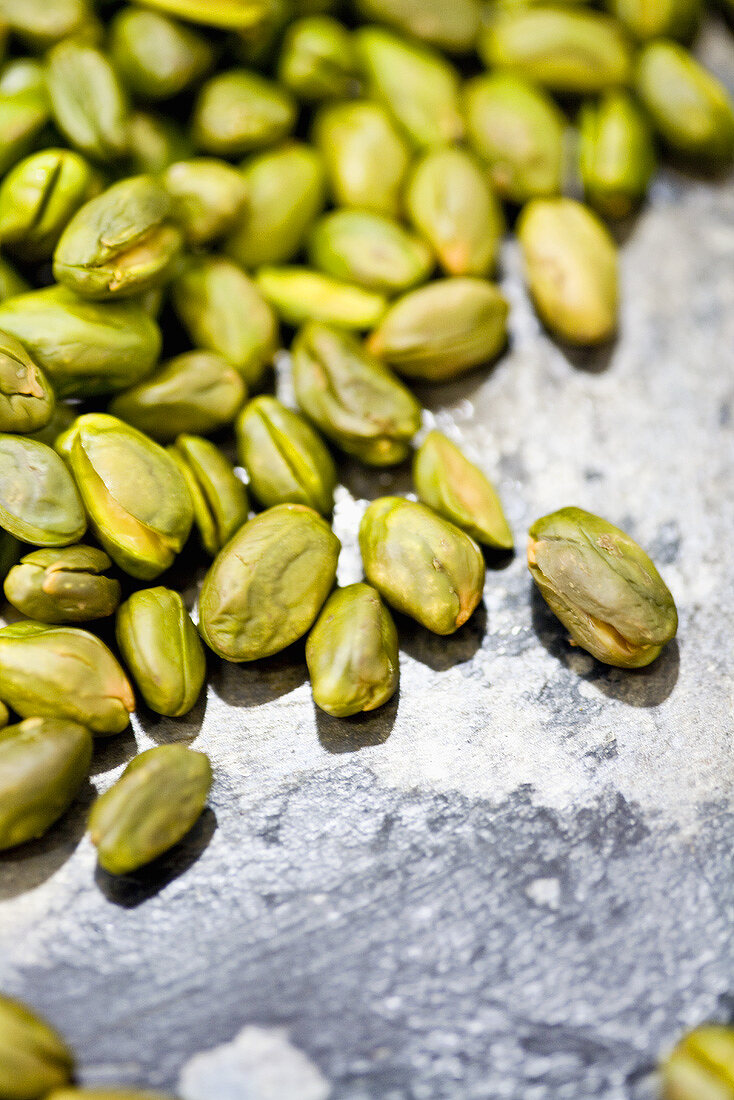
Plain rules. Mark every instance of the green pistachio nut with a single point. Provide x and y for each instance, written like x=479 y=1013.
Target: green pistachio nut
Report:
x=39 y=502
x=197 y=392
x=162 y=649
x=37 y=199
x=43 y=763
x=518 y=131
x=155 y=142
x=63 y=672
x=63 y=586
x=11 y=283
x=223 y=310
x=701 y=1067
x=353 y=398
x=87 y=99
x=33 y=1058
x=451 y=204
x=209 y=197
x=648 y=19
x=451 y=25
x=233 y=15
x=153 y=805
x=420 y=563
x=22 y=73
x=84 y=348
x=24 y=114
x=298 y=294
x=442 y=330
x=284 y=457
x=318 y=59
x=219 y=497
x=563 y=49
x=39 y=24
x=690 y=108
x=617 y=155
x=138 y=503
x=418 y=85
x=268 y=584
x=26 y=400
x=240 y=110
x=157 y=57
x=121 y=243
x=366 y=156
x=454 y=487
x=602 y=586
x=352 y=653
x=369 y=249
x=286 y=189
x=571 y=269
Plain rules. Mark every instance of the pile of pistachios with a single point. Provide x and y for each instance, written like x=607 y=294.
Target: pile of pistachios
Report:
x=36 y=1063
x=150 y=274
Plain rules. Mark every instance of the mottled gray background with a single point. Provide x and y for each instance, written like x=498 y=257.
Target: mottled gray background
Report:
x=515 y=881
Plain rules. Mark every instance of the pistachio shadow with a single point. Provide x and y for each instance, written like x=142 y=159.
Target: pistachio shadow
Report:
x=255 y=683
x=172 y=731
x=360 y=731
x=636 y=687
x=112 y=752
x=442 y=651
x=29 y=865
x=130 y=891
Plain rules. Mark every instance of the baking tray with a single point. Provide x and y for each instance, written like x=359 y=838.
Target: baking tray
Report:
x=513 y=881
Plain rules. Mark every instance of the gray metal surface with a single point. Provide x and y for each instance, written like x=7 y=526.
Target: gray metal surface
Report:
x=515 y=880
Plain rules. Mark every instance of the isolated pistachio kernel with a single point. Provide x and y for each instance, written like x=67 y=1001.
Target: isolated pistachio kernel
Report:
x=26 y=400
x=617 y=155
x=691 y=110
x=353 y=398
x=223 y=310
x=455 y=488
x=286 y=192
x=285 y=458
x=63 y=672
x=33 y=1057
x=442 y=330
x=219 y=497
x=602 y=586
x=138 y=503
x=121 y=243
x=423 y=565
x=63 y=586
x=197 y=392
x=370 y=250
x=84 y=348
x=43 y=763
x=161 y=647
x=701 y=1067
x=153 y=805
x=39 y=502
x=299 y=294
x=352 y=653
x=365 y=153
x=519 y=133
x=563 y=49
x=418 y=85
x=268 y=584
x=571 y=269
x=452 y=205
